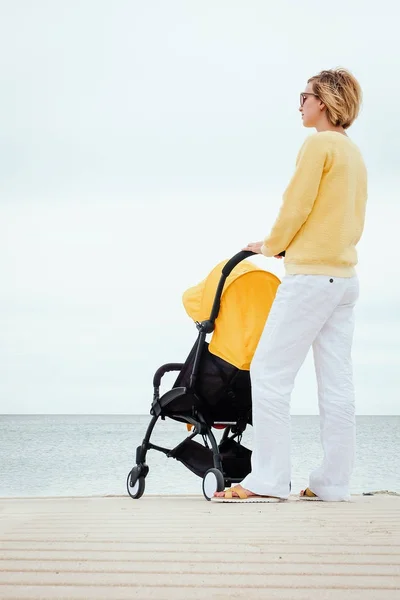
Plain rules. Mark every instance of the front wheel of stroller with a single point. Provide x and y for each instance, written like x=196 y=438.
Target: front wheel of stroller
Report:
x=135 y=485
x=213 y=481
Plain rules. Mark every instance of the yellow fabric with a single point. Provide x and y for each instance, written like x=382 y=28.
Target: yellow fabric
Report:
x=245 y=304
x=322 y=215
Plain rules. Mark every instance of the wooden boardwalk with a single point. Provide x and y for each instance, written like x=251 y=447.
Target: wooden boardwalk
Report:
x=181 y=547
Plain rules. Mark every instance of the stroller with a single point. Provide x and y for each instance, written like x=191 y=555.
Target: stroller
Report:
x=212 y=389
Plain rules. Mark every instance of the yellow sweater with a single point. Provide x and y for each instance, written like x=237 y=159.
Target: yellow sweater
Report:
x=322 y=215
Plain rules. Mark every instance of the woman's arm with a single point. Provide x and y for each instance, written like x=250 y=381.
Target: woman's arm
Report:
x=299 y=196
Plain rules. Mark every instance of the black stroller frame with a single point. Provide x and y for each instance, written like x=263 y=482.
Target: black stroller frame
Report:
x=219 y=464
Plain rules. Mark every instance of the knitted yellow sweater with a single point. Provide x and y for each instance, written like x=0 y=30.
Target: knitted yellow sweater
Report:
x=322 y=215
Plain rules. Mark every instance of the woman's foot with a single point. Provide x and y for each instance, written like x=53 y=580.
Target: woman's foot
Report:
x=235 y=492
x=241 y=494
x=307 y=494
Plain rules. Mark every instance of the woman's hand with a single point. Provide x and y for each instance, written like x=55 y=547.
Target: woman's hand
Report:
x=254 y=247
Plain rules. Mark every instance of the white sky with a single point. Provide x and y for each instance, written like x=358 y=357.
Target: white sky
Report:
x=143 y=142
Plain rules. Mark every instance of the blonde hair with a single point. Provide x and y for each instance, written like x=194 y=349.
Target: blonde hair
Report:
x=341 y=93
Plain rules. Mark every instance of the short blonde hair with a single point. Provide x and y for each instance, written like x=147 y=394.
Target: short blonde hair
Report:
x=341 y=93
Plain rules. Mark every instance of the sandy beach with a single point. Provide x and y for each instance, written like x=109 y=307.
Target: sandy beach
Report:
x=175 y=547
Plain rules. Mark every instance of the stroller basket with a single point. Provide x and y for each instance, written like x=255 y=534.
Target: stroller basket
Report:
x=236 y=459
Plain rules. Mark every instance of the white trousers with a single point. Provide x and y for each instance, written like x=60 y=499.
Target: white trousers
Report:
x=317 y=311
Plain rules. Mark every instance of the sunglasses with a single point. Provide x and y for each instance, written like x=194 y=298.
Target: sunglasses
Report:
x=304 y=95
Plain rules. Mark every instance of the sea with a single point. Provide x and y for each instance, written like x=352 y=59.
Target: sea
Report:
x=91 y=455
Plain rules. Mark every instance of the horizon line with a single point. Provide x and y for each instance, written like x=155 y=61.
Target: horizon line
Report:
x=148 y=415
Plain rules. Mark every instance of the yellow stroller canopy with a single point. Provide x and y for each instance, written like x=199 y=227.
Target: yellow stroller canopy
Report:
x=246 y=300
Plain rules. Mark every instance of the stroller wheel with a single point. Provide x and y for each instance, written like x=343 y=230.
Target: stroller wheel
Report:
x=135 y=484
x=213 y=481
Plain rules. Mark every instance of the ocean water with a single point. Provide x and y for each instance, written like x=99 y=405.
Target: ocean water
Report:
x=48 y=455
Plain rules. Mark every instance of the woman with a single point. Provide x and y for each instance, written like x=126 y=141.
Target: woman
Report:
x=320 y=222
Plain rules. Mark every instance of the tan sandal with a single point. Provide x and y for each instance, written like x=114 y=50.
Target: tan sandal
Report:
x=242 y=496
x=307 y=494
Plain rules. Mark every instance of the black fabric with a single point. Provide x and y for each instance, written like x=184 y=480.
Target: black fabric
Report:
x=221 y=393
x=236 y=459
x=184 y=374
x=194 y=456
x=222 y=389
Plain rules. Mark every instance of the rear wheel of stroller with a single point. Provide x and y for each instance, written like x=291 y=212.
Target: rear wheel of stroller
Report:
x=135 y=484
x=213 y=481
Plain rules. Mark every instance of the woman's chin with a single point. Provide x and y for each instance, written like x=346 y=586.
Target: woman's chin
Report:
x=307 y=123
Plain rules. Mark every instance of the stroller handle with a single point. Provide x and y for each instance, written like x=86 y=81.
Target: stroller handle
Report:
x=235 y=260
x=226 y=270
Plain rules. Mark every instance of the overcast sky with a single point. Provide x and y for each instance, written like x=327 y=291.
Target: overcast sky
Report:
x=143 y=142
